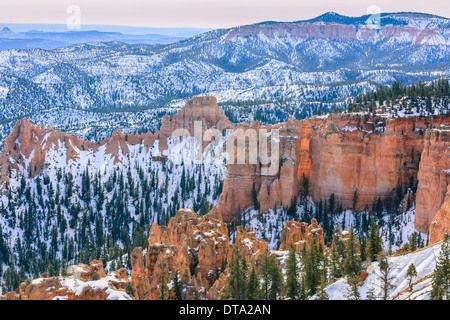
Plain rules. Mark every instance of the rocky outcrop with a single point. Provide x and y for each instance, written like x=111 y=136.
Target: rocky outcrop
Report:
x=26 y=148
x=86 y=272
x=79 y=285
x=251 y=247
x=433 y=192
x=203 y=109
x=197 y=249
x=192 y=245
x=138 y=275
x=433 y=176
x=300 y=234
x=340 y=154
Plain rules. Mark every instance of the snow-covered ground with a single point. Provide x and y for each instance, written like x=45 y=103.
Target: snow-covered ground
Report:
x=424 y=261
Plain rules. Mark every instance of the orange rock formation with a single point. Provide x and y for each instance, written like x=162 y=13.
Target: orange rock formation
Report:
x=300 y=234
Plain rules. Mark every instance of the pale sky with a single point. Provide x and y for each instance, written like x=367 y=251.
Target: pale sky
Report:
x=198 y=13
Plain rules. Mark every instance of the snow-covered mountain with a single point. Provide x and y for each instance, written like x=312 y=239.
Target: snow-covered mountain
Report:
x=325 y=59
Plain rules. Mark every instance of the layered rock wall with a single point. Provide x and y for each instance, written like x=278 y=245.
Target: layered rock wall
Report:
x=434 y=179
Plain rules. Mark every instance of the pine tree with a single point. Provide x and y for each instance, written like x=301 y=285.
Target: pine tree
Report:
x=276 y=276
x=237 y=279
x=310 y=268
x=265 y=275
x=441 y=278
x=374 y=241
x=352 y=261
x=371 y=294
x=176 y=287
x=321 y=292
x=292 y=275
x=412 y=242
x=336 y=267
x=255 y=198
x=385 y=275
x=353 y=292
x=253 y=291
x=271 y=276
x=410 y=274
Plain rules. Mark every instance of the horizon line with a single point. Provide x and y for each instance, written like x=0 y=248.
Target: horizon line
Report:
x=212 y=28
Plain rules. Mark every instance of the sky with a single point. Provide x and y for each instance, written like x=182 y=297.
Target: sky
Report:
x=197 y=13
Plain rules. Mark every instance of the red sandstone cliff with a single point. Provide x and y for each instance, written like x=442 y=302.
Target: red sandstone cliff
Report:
x=341 y=154
x=352 y=153
x=432 y=201
x=433 y=176
x=440 y=225
x=279 y=188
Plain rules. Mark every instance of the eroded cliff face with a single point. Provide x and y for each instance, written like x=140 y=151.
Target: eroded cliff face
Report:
x=440 y=225
x=27 y=147
x=434 y=178
x=277 y=188
x=200 y=109
x=371 y=158
x=342 y=155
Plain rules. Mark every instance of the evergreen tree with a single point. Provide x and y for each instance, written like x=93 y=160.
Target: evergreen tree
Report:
x=336 y=266
x=176 y=287
x=413 y=242
x=321 y=292
x=237 y=279
x=265 y=275
x=371 y=294
x=441 y=278
x=292 y=275
x=253 y=290
x=271 y=276
x=374 y=241
x=255 y=198
x=277 y=284
x=352 y=261
x=353 y=292
x=385 y=275
x=410 y=274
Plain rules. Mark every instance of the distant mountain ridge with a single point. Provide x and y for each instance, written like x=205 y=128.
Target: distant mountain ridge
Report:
x=385 y=18
x=51 y=40
x=399 y=27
